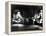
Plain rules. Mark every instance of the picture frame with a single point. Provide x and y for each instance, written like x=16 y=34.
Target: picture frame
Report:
x=8 y=17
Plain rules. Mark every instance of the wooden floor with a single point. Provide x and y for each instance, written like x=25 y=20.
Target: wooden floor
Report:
x=26 y=28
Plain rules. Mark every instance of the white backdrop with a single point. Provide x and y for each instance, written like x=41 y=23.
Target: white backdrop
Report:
x=2 y=18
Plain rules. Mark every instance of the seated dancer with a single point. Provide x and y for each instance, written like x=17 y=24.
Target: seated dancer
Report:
x=37 y=19
x=17 y=18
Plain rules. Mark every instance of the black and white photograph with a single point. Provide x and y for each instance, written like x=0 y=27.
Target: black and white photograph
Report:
x=26 y=17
